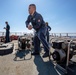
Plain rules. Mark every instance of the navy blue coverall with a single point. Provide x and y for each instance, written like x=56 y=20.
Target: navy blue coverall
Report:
x=47 y=33
x=7 y=34
x=40 y=28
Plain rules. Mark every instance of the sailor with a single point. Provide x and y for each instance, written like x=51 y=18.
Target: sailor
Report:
x=7 y=28
x=47 y=32
x=40 y=30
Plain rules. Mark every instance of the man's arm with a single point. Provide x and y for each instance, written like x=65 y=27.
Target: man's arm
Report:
x=49 y=28
x=7 y=28
x=27 y=21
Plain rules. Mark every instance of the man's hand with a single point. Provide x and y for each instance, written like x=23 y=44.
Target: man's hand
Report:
x=29 y=27
x=4 y=28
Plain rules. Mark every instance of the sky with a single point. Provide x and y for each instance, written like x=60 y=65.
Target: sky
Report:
x=60 y=14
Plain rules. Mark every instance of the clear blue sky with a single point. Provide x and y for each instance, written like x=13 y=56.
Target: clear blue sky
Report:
x=61 y=14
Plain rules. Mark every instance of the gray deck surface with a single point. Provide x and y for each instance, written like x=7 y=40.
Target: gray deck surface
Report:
x=30 y=66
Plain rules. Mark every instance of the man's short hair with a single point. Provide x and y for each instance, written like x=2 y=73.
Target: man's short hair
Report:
x=46 y=23
x=33 y=5
x=6 y=22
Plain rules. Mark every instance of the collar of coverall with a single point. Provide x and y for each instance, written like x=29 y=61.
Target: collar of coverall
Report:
x=34 y=13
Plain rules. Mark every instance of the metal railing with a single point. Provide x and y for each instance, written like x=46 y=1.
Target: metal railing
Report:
x=63 y=34
x=51 y=34
x=15 y=33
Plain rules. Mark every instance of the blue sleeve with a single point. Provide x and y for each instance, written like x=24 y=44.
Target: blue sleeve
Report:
x=27 y=21
x=49 y=28
x=8 y=27
x=39 y=21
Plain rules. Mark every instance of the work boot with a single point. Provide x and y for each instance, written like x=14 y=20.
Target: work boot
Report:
x=46 y=55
